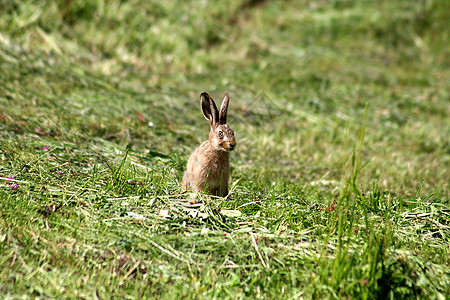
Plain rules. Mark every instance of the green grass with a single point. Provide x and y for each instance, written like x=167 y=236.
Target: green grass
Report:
x=340 y=183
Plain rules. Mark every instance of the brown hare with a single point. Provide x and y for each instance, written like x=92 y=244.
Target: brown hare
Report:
x=208 y=168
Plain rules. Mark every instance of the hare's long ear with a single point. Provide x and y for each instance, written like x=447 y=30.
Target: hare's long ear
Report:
x=209 y=108
x=223 y=109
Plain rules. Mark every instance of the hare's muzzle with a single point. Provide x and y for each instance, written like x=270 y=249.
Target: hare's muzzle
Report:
x=232 y=146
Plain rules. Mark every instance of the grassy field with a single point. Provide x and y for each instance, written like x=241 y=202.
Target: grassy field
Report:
x=340 y=181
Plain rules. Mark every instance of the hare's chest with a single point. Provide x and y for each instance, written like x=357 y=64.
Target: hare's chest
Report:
x=218 y=172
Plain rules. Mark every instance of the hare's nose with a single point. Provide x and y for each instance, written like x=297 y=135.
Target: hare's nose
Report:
x=232 y=146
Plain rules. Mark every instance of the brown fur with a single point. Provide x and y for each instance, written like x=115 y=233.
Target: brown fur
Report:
x=208 y=168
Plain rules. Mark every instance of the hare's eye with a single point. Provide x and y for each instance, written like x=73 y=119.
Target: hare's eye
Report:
x=220 y=134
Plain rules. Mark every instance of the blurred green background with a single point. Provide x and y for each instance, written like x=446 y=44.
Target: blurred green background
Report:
x=299 y=73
